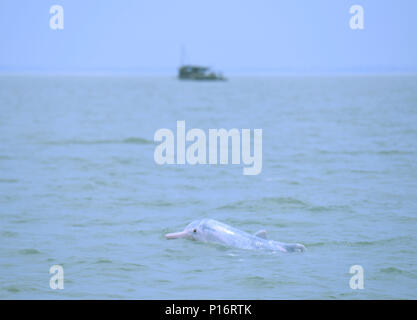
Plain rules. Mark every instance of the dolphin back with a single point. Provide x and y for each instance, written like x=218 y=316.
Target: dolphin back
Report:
x=221 y=233
x=218 y=232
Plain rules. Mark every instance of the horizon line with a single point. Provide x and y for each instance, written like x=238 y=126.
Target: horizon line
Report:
x=172 y=71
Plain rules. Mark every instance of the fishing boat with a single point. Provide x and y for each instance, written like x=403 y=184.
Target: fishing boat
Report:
x=188 y=71
x=193 y=72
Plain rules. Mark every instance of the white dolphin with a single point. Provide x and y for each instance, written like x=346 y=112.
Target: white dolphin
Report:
x=209 y=230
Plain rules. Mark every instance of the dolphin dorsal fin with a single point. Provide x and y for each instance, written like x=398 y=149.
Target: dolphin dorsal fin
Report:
x=261 y=234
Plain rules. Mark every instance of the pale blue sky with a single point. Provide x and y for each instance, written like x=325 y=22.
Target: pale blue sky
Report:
x=231 y=35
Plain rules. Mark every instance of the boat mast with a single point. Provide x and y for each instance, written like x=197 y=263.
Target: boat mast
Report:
x=183 y=56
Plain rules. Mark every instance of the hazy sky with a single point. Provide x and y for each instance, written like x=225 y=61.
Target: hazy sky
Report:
x=230 y=35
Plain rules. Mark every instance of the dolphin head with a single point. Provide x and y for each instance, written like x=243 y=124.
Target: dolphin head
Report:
x=192 y=231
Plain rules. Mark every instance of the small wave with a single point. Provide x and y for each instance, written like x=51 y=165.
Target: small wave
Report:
x=99 y=261
x=255 y=278
x=284 y=200
x=158 y=203
x=12 y=289
x=395 y=152
x=358 y=152
x=268 y=201
x=282 y=203
x=257 y=281
x=356 y=243
x=20 y=221
x=9 y=234
x=163 y=281
x=131 y=140
x=133 y=267
x=398 y=271
x=79 y=225
x=362 y=171
x=8 y=180
x=137 y=141
x=391 y=270
x=166 y=203
x=330 y=208
x=196 y=271
x=29 y=251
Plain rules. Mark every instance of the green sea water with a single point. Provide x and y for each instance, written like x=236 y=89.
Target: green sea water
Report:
x=79 y=187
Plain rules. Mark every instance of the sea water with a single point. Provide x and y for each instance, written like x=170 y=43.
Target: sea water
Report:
x=79 y=187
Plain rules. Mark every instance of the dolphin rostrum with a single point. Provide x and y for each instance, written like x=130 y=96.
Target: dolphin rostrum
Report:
x=209 y=230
